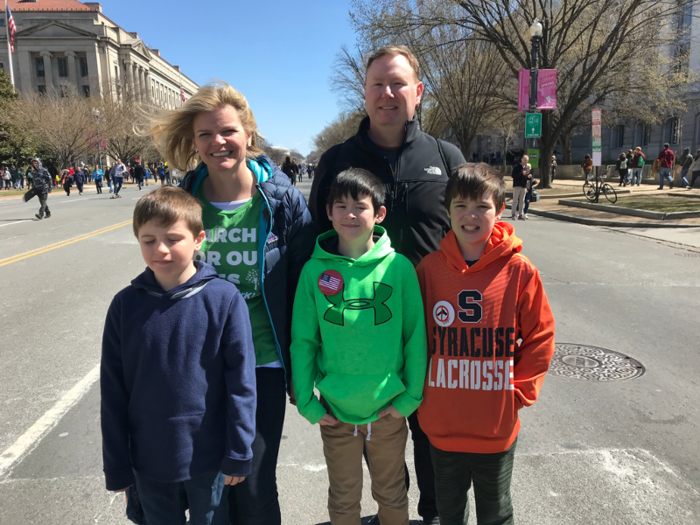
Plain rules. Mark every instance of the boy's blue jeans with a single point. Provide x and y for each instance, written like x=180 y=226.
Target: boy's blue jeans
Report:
x=491 y=474
x=165 y=503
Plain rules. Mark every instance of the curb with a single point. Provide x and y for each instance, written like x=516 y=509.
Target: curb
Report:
x=601 y=222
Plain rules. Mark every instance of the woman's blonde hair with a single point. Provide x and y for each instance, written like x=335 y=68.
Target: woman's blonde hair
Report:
x=173 y=131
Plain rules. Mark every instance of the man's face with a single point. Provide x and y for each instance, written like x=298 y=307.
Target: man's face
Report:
x=392 y=91
x=524 y=160
x=35 y=163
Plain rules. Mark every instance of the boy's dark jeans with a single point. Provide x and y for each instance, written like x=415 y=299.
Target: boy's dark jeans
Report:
x=491 y=473
x=165 y=503
x=254 y=502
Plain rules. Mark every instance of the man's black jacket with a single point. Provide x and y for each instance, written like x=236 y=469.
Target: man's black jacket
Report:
x=416 y=218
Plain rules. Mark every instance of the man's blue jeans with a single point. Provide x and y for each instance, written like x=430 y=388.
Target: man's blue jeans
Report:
x=664 y=173
x=165 y=503
x=684 y=180
x=118 y=181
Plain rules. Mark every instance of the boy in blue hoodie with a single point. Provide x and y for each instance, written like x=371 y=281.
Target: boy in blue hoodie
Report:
x=178 y=373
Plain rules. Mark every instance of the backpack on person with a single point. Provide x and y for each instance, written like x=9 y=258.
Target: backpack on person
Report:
x=640 y=162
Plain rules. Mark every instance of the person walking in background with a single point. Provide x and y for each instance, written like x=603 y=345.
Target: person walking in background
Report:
x=621 y=165
x=79 y=177
x=521 y=173
x=30 y=178
x=685 y=162
x=666 y=158
x=66 y=181
x=119 y=171
x=42 y=187
x=139 y=174
x=7 y=178
x=638 y=161
x=161 y=174
x=587 y=166
x=694 y=170
x=109 y=177
x=148 y=174
x=97 y=177
x=288 y=169
x=554 y=167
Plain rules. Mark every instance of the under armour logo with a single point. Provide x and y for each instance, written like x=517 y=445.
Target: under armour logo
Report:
x=336 y=313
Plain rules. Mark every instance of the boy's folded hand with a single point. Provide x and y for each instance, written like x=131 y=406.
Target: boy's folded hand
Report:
x=233 y=480
x=327 y=420
x=390 y=411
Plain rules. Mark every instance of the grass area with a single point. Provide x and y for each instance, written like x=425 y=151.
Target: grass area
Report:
x=658 y=203
x=10 y=193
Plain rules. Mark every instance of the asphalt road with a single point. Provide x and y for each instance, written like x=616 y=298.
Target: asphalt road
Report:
x=590 y=452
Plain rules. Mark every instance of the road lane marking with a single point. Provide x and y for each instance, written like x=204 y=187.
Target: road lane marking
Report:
x=38 y=251
x=30 y=439
x=14 y=222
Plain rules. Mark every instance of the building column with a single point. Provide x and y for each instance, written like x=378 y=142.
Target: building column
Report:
x=129 y=78
x=48 y=70
x=142 y=85
x=147 y=78
x=73 y=69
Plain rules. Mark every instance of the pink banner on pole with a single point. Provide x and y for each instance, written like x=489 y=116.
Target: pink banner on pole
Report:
x=524 y=90
x=547 y=89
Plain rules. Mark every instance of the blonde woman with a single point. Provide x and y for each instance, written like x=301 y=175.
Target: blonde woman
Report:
x=259 y=235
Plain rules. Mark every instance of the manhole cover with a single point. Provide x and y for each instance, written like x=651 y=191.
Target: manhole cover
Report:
x=688 y=254
x=592 y=363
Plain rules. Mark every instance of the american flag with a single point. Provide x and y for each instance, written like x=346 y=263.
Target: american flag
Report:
x=11 y=28
x=329 y=284
x=182 y=94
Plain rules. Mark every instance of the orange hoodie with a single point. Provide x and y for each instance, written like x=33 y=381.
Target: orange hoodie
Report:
x=479 y=375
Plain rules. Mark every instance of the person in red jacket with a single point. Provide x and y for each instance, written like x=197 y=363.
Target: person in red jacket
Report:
x=490 y=340
x=666 y=157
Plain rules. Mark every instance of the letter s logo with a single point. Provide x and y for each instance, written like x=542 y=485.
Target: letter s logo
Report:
x=471 y=310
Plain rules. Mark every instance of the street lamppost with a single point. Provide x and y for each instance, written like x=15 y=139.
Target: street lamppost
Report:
x=535 y=36
x=96 y=113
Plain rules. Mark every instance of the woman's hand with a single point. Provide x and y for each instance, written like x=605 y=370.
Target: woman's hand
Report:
x=327 y=421
x=233 y=480
x=390 y=411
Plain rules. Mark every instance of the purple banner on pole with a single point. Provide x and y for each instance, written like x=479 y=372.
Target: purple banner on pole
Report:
x=546 y=89
x=524 y=90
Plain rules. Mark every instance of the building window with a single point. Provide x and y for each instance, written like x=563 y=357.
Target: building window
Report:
x=2 y=66
x=40 y=67
x=83 y=67
x=64 y=91
x=672 y=129
x=2 y=21
x=646 y=135
x=620 y=135
x=86 y=91
x=62 y=67
x=41 y=89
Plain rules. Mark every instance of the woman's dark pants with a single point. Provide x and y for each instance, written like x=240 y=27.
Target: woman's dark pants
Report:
x=254 y=502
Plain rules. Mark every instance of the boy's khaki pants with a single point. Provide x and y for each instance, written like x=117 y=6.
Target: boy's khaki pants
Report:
x=385 y=455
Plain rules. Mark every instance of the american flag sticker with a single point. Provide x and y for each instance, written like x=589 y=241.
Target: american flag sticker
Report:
x=330 y=282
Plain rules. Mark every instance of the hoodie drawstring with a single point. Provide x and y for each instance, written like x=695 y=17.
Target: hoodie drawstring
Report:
x=369 y=431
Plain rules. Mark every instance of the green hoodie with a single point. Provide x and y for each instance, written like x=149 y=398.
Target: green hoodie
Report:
x=364 y=348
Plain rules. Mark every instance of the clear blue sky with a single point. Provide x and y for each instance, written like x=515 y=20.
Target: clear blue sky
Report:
x=278 y=53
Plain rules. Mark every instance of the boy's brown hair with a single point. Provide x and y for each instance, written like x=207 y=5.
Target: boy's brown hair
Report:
x=166 y=206
x=473 y=181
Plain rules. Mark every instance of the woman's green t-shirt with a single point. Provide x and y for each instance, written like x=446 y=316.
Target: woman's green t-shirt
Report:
x=231 y=247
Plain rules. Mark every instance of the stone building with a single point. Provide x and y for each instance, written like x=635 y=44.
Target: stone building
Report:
x=69 y=45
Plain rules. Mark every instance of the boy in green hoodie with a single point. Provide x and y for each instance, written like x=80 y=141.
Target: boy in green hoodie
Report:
x=358 y=336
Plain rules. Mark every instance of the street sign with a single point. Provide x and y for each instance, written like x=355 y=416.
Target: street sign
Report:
x=534 y=155
x=533 y=125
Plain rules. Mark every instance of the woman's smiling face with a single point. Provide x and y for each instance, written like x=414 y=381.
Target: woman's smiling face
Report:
x=220 y=139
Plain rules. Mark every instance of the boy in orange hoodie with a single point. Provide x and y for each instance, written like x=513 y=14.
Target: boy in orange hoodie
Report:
x=490 y=341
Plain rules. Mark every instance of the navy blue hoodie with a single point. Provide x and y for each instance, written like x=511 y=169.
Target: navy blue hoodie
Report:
x=177 y=381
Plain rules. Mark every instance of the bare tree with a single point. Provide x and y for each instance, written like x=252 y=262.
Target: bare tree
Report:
x=348 y=79
x=339 y=130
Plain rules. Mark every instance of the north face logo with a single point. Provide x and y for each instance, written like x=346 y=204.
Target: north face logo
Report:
x=336 y=313
x=433 y=170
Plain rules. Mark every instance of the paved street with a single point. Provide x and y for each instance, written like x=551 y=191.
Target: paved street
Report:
x=590 y=452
